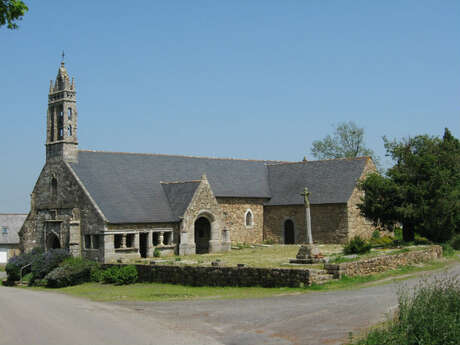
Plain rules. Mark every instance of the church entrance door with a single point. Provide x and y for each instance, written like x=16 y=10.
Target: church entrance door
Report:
x=52 y=241
x=289 y=236
x=202 y=235
x=143 y=238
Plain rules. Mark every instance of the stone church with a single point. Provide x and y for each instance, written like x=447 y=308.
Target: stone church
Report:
x=109 y=205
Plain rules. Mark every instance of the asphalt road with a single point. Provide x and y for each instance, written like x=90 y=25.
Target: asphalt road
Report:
x=31 y=317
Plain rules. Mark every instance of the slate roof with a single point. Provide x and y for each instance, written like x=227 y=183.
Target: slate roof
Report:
x=329 y=181
x=13 y=222
x=179 y=195
x=128 y=187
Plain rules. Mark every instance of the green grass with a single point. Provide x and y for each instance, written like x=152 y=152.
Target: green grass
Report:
x=2 y=268
x=169 y=292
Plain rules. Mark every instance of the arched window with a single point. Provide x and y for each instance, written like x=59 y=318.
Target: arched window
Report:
x=249 y=218
x=69 y=131
x=54 y=188
x=69 y=113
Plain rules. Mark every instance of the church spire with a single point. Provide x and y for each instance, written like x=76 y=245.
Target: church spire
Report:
x=61 y=134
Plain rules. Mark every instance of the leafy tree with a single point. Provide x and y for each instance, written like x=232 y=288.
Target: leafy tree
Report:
x=421 y=191
x=11 y=11
x=346 y=142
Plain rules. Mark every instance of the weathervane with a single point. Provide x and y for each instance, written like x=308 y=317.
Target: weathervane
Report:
x=63 y=55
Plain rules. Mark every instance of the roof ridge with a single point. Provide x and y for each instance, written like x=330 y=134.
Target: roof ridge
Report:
x=323 y=160
x=185 y=156
x=178 y=182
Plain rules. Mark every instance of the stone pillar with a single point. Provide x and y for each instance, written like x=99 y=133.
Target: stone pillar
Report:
x=161 y=239
x=109 y=247
x=74 y=238
x=185 y=247
x=226 y=242
x=149 y=244
x=136 y=242
x=123 y=241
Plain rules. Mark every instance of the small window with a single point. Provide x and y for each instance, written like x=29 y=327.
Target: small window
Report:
x=69 y=113
x=4 y=230
x=167 y=238
x=61 y=133
x=249 y=218
x=54 y=186
x=155 y=238
x=69 y=131
x=117 y=240
x=88 y=241
x=95 y=241
x=130 y=240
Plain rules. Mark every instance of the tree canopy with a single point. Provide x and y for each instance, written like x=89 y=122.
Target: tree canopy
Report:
x=347 y=141
x=11 y=11
x=421 y=191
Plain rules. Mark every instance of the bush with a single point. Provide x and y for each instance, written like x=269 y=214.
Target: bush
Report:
x=14 y=265
x=427 y=315
x=455 y=242
x=382 y=242
x=120 y=275
x=156 y=253
x=72 y=271
x=46 y=262
x=447 y=250
x=375 y=234
x=357 y=246
x=420 y=240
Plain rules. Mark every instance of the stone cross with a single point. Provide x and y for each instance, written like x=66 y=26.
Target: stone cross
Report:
x=306 y=195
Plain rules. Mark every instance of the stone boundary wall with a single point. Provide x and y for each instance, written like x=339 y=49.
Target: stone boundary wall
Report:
x=223 y=276
x=383 y=263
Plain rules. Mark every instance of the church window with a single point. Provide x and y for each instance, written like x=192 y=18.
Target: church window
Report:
x=61 y=133
x=4 y=230
x=69 y=113
x=95 y=241
x=155 y=238
x=130 y=240
x=88 y=241
x=53 y=188
x=69 y=131
x=117 y=240
x=249 y=218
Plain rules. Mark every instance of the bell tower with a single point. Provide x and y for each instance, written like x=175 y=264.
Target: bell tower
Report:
x=61 y=128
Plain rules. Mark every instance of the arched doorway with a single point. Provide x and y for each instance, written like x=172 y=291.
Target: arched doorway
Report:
x=202 y=235
x=289 y=236
x=52 y=241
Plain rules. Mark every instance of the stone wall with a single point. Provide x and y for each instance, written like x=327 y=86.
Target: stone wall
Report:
x=329 y=222
x=203 y=204
x=235 y=210
x=55 y=211
x=357 y=224
x=224 y=276
x=383 y=263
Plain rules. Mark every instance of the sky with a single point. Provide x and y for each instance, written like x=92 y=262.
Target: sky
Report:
x=255 y=79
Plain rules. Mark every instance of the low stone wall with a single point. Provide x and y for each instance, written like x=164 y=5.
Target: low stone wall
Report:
x=383 y=263
x=223 y=276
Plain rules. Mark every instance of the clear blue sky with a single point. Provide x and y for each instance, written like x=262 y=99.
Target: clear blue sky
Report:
x=249 y=79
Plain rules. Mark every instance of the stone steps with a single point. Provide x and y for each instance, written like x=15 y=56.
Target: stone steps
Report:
x=319 y=276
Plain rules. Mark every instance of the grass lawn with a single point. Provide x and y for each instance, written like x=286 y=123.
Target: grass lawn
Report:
x=169 y=292
x=276 y=255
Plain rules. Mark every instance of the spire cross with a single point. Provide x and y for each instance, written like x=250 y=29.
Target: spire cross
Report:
x=63 y=55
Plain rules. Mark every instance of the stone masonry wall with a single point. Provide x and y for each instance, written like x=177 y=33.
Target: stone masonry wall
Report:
x=383 y=263
x=48 y=211
x=234 y=212
x=329 y=222
x=224 y=276
x=357 y=224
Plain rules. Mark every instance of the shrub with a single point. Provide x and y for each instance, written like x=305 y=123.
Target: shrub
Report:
x=357 y=246
x=71 y=271
x=156 y=253
x=46 y=262
x=427 y=315
x=120 y=275
x=447 y=250
x=455 y=242
x=376 y=234
x=382 y=242
x=420 y=240
x=14 y=265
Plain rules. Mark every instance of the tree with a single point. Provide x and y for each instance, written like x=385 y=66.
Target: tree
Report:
x=421 y=191
x=11 y=11
x=346 y=142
